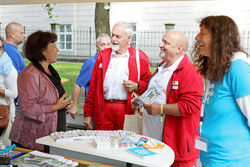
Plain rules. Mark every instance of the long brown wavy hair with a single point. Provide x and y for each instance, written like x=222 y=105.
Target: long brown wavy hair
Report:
x=225 y=42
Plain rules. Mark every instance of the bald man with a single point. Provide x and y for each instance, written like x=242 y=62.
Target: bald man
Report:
x=174 y=115
x=14 y=37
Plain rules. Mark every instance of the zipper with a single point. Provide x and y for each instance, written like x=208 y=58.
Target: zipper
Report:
x=188 y=149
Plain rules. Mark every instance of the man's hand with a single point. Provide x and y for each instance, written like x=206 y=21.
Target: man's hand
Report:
x=136 y=107
x=70 y=105
x=130 y=86
x=88 y=121
x=153 y=109
x=73 y=112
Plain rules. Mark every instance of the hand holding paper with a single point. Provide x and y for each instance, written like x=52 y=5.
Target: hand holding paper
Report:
x=147 y=97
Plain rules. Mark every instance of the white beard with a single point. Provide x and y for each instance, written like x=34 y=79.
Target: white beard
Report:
x=115 y=47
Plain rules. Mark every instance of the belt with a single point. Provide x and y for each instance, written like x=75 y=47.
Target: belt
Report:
x=116 y=101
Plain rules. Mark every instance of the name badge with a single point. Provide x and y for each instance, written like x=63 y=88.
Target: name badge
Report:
x=201 y=143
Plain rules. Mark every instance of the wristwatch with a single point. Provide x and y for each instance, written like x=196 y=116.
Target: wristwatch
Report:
x=137 y=87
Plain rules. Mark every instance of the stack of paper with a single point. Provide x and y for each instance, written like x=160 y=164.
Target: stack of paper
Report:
x=37 y=159
x=90 y=135
x=113 y=142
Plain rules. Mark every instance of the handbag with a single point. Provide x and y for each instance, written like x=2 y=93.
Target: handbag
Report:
x=4 y=116
x=134 y=122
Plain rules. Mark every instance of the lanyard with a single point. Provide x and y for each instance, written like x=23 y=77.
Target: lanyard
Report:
x=204 y=101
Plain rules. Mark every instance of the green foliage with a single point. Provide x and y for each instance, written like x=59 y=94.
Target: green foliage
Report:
x=152 y=70
x=50 y=8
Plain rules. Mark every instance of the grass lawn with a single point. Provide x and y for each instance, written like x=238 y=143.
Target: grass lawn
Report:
x=70 y=72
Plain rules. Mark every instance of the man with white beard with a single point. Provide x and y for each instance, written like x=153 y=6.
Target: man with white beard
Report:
x=113 y=80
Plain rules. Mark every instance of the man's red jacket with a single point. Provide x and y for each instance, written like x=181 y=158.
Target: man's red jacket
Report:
x=95 y=97
x=185 y=88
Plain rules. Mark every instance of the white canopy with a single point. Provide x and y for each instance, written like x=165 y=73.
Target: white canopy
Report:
x=26 y=2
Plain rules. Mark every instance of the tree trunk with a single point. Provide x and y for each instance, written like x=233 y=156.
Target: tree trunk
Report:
x=101 y=19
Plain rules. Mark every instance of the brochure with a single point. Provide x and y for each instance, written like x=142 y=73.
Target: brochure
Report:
x=141 y=152
x=147 y=97
x=39 y=159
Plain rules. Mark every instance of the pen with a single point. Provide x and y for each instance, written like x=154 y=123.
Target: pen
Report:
x=161 y=112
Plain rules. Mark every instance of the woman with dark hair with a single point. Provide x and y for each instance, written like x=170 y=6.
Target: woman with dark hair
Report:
x=225 y=65
x=42 y=98
x=8 y=90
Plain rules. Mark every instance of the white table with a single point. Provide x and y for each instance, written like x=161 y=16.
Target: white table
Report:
x=86 y=150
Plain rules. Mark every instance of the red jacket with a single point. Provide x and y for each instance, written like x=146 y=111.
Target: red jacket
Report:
x=185 y=87
x=95 y=97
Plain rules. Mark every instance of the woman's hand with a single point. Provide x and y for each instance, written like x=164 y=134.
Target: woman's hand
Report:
x=62 y=102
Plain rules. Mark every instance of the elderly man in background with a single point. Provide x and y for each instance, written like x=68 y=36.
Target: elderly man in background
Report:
x=113 y=80
x=174 y=115
x=103 y=41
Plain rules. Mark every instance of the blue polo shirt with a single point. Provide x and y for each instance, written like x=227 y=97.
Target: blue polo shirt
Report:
x=85 y=74
x=17 y=59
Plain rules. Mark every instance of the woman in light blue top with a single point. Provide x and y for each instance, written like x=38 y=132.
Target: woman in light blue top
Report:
x=226 y=66
x=8 y=89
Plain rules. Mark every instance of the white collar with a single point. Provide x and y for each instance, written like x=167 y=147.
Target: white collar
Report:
x=126 y=54
x=173 y=66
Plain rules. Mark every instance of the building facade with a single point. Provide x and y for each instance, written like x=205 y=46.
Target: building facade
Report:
x=75 y=22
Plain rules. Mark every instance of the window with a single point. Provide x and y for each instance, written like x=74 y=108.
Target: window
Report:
x=169 y=27
x=133 y=40
x=66 y=37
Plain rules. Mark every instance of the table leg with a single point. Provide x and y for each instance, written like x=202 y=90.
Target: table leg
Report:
x=46 y=149
x=128 y=164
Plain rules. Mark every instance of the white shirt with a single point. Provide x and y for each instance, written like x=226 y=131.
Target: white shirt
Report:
x=9 y=84
x=116 y=73
x=152 y=126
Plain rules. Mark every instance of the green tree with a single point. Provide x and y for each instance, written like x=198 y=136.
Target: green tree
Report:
x=50 y=8
x=102 y=24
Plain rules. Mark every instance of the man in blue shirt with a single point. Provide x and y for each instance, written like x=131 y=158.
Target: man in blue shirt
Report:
x=103 y=41
x=14 y=37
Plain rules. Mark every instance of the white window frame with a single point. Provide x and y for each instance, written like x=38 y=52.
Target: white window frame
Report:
x=65 y=34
